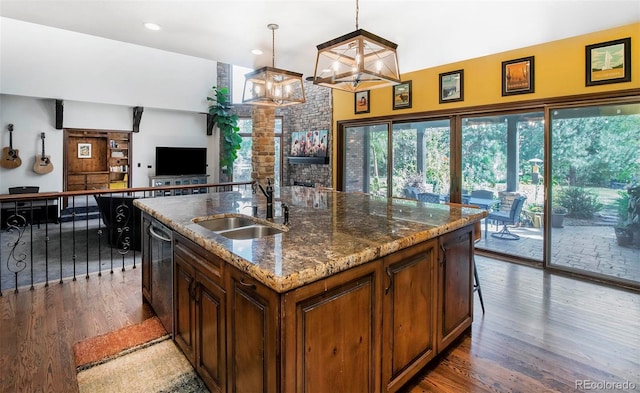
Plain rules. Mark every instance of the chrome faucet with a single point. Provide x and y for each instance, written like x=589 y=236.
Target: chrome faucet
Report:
x=268 y=193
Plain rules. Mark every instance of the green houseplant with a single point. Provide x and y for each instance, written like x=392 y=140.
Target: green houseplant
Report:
x=222 y=117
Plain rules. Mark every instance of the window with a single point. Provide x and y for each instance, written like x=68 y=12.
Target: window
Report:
x=237 y=83
x=242 y=165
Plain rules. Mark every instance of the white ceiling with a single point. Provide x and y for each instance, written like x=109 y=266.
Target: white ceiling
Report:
x=428 y=32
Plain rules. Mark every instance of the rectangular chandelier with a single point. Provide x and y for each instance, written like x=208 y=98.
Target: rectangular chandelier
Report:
x=273 y=87
x=357 y=61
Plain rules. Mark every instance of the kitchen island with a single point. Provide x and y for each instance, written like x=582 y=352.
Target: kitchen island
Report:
x=357 y=294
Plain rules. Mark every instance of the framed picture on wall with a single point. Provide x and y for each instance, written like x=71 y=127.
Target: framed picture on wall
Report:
x=608 y=62
x=84 y=150
x=402 y=95
x=361 y=102
x=518 y=76
x=452 y=86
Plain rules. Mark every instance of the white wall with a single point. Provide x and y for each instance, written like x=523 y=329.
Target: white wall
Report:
x=30 y=117
x=41 y=61
x=158 y=127
x=100 y=81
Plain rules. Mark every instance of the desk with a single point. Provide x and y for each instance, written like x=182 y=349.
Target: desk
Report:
x=39 y=210
x=483 y=203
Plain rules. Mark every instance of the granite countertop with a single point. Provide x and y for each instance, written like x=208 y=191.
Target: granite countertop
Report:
x=329 y=231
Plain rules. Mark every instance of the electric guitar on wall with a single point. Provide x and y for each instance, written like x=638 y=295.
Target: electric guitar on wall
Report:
x=10 y=158
x=43 y=163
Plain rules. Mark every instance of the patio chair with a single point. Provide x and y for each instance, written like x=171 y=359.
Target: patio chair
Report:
x=428 y=197
x=506 y=218
x=485 y=194
x=477 y=235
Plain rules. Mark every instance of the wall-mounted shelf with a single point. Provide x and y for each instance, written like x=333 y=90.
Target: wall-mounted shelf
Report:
x=308 y=160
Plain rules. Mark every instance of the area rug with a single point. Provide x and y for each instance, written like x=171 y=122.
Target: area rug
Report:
x=138 y=358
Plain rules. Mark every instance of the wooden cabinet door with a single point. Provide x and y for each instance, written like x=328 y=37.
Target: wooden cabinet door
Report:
x=333 y=328
x=253 y=335
x=211 y=338
x=409 y=313
x=455 y=276
x=146 y=259
x=184 y=306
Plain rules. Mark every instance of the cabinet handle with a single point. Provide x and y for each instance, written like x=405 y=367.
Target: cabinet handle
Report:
x=443 y=260
x=197 y=294
x=247 y=284
x=388 y=270
x=153 y=233
x=192 y=289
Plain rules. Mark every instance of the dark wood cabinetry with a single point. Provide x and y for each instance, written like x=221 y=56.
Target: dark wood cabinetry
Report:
x=333 y=328
x=96 y=159
x=367 y=329
x=200 y=311
x=409 y=313
x=254 y=328
x=455 y=285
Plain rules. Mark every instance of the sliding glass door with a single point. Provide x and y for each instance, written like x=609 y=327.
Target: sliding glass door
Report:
x=502 y=165
x=595 y=193
x=421 y=160
x=366 y=159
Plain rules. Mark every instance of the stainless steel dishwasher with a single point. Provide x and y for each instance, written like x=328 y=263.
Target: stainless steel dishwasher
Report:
x=161 y=270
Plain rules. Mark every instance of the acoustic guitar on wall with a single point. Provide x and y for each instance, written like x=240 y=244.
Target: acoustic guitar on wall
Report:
x=10 y=158
x=43 y=163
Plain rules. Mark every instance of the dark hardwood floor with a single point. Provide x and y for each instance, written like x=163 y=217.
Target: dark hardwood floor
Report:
x=541 y=333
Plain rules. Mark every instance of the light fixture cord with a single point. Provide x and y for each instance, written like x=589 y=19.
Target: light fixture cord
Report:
x=357 y=10
x=273 y=48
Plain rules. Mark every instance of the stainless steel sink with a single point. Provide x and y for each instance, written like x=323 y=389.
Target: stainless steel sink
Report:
x=225 y=223
x=250 y=232
x=238 y=227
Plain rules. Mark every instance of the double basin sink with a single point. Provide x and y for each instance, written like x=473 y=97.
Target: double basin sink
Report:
x=237 y=227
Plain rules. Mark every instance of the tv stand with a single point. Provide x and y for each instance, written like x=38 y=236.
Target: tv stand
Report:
x=184 y=180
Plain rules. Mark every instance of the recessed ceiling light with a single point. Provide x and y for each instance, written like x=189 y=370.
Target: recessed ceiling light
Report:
x=152 y=26
x=256 y=52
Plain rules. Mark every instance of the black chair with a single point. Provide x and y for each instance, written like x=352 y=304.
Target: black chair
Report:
x=122 y=221
x=24 y=190
x=506 y=218
x=428 y=197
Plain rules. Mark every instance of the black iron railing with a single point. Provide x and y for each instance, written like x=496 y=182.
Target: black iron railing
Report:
x=53 y=237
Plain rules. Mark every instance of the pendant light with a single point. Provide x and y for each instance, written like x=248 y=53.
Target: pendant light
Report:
x=357 y=61
x=272 y=86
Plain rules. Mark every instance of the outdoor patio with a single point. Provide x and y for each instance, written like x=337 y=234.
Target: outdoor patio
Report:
x=589 y=248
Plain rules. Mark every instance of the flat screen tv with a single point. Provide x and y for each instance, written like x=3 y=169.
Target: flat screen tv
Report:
x=178 y=161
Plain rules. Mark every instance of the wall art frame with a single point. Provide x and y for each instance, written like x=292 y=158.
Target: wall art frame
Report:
x=451 y=86
x=608 y=62
x=402 y=95
x=84 y=150
x=518 y=76
x=361 y=102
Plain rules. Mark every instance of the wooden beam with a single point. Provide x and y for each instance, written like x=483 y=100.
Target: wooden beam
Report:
x=209 y=124
x=137 y=116
x=59 y=112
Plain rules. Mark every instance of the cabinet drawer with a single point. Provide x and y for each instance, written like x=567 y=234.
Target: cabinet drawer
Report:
x=75 y=187
x=75 y=179
x=98 y=178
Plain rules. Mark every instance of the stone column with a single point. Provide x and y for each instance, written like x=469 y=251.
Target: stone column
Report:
x=263 y=146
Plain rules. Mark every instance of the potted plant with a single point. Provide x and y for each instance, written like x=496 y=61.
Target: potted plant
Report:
x=557 y=216
x=222 y=117
x=535 y=212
